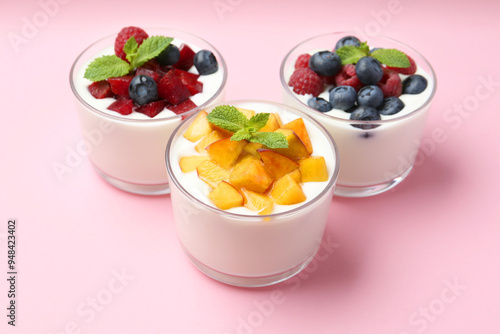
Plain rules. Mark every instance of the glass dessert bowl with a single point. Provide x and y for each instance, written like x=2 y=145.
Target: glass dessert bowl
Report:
x=126 y=145
x=377 y=145
x=247 y=214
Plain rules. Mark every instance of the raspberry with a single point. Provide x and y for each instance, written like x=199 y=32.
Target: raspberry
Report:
x=302 y=61
x=100 y=89
x=144 y=71
x=390 y=84
x=186 y=59
x=347 y=77
x=122 y=106
x=328 y=80
x=152 y=109
x=182 y=107
x=119 y=85
x=171 y=89
x=305 y=81
x=406 y=70
x=123 y=36
x=190 y=80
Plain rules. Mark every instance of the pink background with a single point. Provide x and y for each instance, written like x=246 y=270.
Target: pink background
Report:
x=395 y=255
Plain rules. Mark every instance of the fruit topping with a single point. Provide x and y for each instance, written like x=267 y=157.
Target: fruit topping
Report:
x=414 y=84
x=169 y=56
x=119 y=85
x=152 y=109
x=182 y=107
x=320 y=104
x=391 y=105
x=124 y=35
x=302 y=61
x=370 y=96
x=143 y=89
x=390 y=84
x=170 y=88
x=343 y=97
x=123 y=106
x=205 y=62
x=305 y=81
x=325 y=63
x=369 y=70
x=406 y=70
x=186 y=58
x=100 y=89
x=346 y=41
x=364 y=113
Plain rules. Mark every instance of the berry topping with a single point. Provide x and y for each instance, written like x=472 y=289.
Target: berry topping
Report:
x=391 y=105
x=143 y=89
x=325 y=63
x=205 y=62
x=170 y=88
x=123 y=106
x=390 y=84
x=182 y=107
x=343 y=97
x=169 y=56
x=123 y=36
x=406 y=70
x=100 y=89
x=414 y=84
x=302 y=61
x=305 y=81
x=347 y=77
x=186 y=58
x=346 y=41
x=119 y=85
x=144 y=71
x=319 y=104
x=370 y=96
x=369 y=70
x=152 y=109
x=364 y=113
x=190 y=80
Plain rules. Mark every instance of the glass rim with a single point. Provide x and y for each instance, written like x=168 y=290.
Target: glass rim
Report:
x=328 y=187
x=289 y=93
x=149 y=120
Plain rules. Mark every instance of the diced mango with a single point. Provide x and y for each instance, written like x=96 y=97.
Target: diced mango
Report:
x=188 y=164
x=212 y=173
x=225 y=196
x=296 y=149
x=199 y=128
x=298 y=126
x=207 y=140
x=276 y=163
x=271 y=125
x=225 y=151
x=251 y=174
x=313 y=169
x=287 y=192
x=295 y=174
x=261 y=203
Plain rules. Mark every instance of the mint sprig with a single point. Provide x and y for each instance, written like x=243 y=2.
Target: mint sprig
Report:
x=231 y=119
x=350 y=54
x=111 y=66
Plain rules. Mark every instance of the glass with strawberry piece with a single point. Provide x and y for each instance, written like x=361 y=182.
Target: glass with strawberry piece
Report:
x=375 y=105
x=132 y=90
x=251 y=187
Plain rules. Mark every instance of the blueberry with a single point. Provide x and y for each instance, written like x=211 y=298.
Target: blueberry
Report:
x=364 y=113
x=319 y=104
x=370 y=96
x=391 y=105
x=205 y=62
x=414 y=84
x=169 y=56
x=143 y=89
x=374 y=49
x=343 y=97
x=348 y=40
x=369 y=70
x=325 y=63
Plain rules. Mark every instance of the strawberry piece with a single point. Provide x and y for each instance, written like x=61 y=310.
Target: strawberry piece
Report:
x=122 y=106
x=182 y=107
x=186 y=59
x=405 y=70
x=152 y=65
x=172 y=89
x=390 y=84
x=302 y=61
x=123 y=36
x=305 y=81
x=347 y=77
x=153 y=108
x=100 y=89
x=119 y=85
x=144 y=71
x=190 y=80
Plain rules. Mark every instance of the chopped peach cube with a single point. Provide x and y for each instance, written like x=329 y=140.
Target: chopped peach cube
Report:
x=296 y=175
x=226 y=151
x=261 y=203
x=296 y=149
x=212 y=173
x=188 y=164
x=271 y=125
x=298 y=126
x=246 y=112
x=207 y=140
x=199 y=128
x=313 y=169
x=252 y=148
x=276 y=163
x=225 y=196
x=251 y=174
x=287 y=192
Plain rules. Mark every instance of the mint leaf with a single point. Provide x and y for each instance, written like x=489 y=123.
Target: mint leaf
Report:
x=350 y=54
x=106 y=67
x=149 y=49
x=258 y=121
x=270 y=139
x=364 y=48
x=243 y=134
x=228 y=118
x=391 y=57
x=130 y=48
